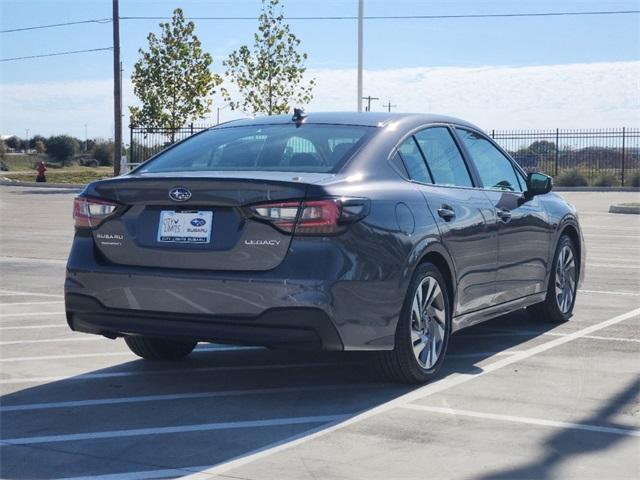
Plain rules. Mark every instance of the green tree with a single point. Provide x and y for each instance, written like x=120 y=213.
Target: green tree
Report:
x=13 y=142
x=35 y=139
x=103 y=153
x=172 y=78
x=62 y=148
x=40 y=147
x=270 y=76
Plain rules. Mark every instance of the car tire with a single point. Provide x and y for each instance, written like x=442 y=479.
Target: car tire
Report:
x=159 y=348
x=419 y=332
x=563 y=283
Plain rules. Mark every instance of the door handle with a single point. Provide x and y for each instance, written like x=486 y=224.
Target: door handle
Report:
x=446 y=212
x=504 y=215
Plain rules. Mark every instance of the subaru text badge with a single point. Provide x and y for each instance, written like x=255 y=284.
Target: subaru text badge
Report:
x=179 y=194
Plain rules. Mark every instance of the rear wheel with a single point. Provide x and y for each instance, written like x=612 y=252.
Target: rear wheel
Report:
x=158 y=348
x=423 y=330
x=563 y=280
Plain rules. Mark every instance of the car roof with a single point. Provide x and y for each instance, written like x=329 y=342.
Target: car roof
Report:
x=369 y=119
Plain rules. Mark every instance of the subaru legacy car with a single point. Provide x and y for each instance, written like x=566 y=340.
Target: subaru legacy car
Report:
x=336 y=231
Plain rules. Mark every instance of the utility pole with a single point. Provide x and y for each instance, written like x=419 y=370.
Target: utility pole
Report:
x=86 y=140
x=218 y=109
x=389 y=106
x=26 y=148
x=117 y=92
x=360 y=60
x=368 y=99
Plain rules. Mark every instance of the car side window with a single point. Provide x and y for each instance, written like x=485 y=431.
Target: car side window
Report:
x=413 y=161
x=496 y=171
x=443 y=157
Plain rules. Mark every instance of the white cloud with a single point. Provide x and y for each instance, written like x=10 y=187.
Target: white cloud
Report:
x=551 y=96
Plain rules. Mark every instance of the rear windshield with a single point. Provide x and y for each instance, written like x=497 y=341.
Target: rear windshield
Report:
x=289 y=148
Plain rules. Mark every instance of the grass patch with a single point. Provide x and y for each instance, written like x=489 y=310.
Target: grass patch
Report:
x=77 y=175
x=20 y=162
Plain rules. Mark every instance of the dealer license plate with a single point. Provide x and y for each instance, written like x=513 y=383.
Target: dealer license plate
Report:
x=185 y=227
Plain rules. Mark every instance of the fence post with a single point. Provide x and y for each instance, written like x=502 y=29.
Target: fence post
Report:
x=557 y=149
x=624 y=151
x=131 y=160
x=191 y=128
x=493 y=134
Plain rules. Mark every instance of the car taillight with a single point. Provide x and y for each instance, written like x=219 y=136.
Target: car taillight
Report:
x=313 y=217
x=90 y=212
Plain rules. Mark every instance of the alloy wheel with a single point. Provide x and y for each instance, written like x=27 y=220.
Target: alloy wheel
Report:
x=565 y=279
x=428 y=322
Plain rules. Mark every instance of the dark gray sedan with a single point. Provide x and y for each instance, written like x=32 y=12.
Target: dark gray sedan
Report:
x=336 y=231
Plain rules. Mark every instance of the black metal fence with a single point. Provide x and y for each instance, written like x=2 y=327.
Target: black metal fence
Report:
x=601 y=156
x=608 y=156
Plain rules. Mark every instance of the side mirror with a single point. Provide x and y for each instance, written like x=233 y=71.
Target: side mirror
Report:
x=538 y=184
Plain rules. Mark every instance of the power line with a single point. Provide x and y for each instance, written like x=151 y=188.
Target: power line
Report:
x=335 y=17
x=54 y=25
x=56 y=54
x=408 y=17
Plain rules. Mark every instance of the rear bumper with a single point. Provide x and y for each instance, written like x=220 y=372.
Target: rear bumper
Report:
x=290 y=326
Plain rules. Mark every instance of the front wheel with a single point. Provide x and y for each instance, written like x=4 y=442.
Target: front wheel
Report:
x=563 y=282
x=423 y=330
x=158 y=348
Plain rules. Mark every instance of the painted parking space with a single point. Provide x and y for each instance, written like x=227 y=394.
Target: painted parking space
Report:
x=517 y=398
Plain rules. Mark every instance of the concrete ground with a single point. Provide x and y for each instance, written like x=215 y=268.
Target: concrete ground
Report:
x=516 y=399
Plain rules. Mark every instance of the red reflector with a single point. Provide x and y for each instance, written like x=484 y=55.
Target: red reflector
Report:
x=90 y=212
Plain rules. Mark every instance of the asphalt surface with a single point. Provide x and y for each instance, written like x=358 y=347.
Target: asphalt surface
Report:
x=517 y=399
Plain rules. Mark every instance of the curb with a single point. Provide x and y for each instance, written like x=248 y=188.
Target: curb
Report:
x=624 y=209
x=74 y=186
x=596 y=189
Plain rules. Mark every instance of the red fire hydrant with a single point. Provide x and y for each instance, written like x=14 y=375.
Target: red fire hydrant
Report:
x=41 y=169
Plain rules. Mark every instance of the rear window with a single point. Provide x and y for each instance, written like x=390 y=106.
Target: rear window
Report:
x=289 y=148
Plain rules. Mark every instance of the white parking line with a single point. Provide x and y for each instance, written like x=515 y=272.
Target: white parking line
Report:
x=31 y=303
x=449 y=382
x=614 y=235
x=203 y=427
x=84 y=338
x=181 y=371
x=33 y=327
x=30 y=294
x=507 y=332
x=614 y=266
x=143 y=475
x=29 y=314
x=608 y=292
x=527 y=420
x=110 y=354
x=184 y=396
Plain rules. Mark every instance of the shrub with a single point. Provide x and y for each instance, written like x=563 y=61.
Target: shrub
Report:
x=103 y=153
x=606 y=180
x=634 y=180
x=572 y=178
x=40 y=147
x=62 y=148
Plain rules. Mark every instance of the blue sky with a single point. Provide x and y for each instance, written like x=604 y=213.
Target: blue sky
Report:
x=389 y=44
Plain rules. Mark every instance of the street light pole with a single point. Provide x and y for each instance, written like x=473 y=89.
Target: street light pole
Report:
x=360 y=49
x=117 y=92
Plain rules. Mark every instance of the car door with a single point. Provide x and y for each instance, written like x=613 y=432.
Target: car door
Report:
x=437 y=167
x=523 y=229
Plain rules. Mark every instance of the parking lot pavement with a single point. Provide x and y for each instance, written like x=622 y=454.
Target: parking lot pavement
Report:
x=517 y=398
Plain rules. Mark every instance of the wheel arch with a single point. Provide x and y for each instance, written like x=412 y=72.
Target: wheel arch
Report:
x=572 y=231
x=438 y=256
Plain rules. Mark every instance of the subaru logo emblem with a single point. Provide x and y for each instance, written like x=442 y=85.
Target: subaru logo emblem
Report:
x=179 y=194
x=198 y=222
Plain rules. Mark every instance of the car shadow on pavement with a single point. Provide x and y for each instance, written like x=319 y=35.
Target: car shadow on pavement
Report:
x=211 y=408
x=569 y=442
